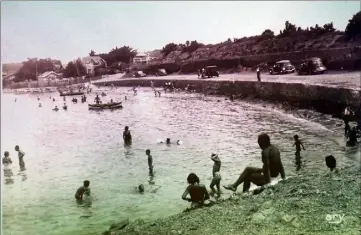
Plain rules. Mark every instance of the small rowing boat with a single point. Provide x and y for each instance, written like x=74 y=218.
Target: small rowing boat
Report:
x=70 y=93
x=117 y=105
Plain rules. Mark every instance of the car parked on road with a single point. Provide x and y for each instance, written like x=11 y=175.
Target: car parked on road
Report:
x=139 y=74
x=282 y=67
x=210 y=71
x=312 y=65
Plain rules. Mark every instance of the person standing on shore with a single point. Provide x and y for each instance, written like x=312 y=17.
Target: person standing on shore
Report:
x=258 y=74
x=127 y=137
x=21 y=155
x=216 y=181
x=272 y=167
x=150 y=161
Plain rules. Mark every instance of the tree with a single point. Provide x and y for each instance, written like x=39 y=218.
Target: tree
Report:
x=124 y=54
x=193 y=46
x=328 y=28
x=169 y=48
x=92 y=53
x=353 y=27
x=32 y=68
x=75 y=69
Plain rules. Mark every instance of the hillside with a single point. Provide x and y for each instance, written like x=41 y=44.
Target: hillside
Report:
x=11 y=68
x=342 y=49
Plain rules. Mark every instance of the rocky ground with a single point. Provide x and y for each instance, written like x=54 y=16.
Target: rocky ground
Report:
x=306 y=204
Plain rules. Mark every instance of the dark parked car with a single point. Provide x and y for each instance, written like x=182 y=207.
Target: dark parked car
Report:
x=312 y=65
x=282 y=67
x=210 y=71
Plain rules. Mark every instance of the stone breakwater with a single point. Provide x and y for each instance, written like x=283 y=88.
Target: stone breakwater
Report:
x=322 y=98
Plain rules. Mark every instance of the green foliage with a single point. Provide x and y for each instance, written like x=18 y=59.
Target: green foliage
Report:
x=75 y=69
x=123 y=54
x=192 y=46
x=33 y=67
x=353 y=28
x=169 y=48
x=92 y=53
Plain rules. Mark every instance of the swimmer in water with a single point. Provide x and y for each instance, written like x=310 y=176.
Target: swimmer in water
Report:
x=6 y=158
x=141 y=188
x=168 y=142
x=56 y=108
x=21 y=155
x=272 y=167
x=127 y=137
x=83 y=190
x=40 y=105
x=298 y=144
x=150 y=161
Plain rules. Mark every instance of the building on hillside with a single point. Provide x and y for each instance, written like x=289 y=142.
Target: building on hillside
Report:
x=141 y=58
x=91 y=63
x=49 y=78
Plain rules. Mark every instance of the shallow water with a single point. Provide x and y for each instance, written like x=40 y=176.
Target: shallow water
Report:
x=66 y=147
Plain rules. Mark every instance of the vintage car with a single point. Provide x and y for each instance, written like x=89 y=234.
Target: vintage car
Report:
x=282 y=67
x=210 y=71
x=161 y=72
x=310 y=66
x=139 y=74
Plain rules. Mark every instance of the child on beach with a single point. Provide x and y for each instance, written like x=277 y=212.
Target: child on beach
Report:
x=83 y=190
x=198 y=192
x=216 y=181
x=298 y=144
x=150 y=161
x=21 y=155
x=6 y=159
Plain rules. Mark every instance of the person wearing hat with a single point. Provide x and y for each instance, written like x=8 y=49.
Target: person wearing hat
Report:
x=216 y=181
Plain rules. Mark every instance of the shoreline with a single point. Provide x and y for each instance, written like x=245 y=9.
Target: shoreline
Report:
x=328 y=94
x=307 y=204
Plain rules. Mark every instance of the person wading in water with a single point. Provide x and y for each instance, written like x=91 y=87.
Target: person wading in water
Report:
x=127 y=137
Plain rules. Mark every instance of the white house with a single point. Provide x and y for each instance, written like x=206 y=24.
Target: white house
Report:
x=93 y=62
x=46 y=78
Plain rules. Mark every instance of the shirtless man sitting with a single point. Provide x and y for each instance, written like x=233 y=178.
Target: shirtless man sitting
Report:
x=272 y=167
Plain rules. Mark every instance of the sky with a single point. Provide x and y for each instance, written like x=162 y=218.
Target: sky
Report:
x=66 y=30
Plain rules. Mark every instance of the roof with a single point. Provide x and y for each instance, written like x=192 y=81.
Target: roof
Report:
x=141 y=54
x=92 y=59
x=48 y=73
x=283 y=61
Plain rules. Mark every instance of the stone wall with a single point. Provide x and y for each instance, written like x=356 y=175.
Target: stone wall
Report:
x=324 y=99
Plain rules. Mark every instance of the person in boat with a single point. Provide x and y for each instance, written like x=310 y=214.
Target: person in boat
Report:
x=127 y=137
x=6 y=158
x=83 y=190
x=352 y=137
x=97 y=99
x=150 y=161
x=216 y=181
x=56 y=108
x=21 y=155
x=40 y=105
x=272 y=167
x=198 y=192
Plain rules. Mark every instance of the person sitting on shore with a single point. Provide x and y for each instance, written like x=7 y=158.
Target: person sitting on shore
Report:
x=352 y=137
x=272 y=167
x=298 y=144
x=216 y=181
x=330 y=162
x=6 y=158
x=83 y=190
x=198 y=192
x=127 y=137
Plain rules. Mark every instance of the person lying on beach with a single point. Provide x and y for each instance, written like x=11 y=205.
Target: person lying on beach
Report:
x=21 y=155
x=272 y=167
x=298 y=144
x=6 y=158
x=216 y=181
x=198 y=192
x=83 y=190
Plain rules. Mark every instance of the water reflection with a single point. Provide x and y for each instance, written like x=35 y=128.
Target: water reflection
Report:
x=8 y=173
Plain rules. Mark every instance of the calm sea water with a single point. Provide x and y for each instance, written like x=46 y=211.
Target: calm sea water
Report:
x=64 y=148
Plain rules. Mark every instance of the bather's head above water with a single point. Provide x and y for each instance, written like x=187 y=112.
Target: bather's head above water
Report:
x=141 y=188
x=168 y=141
